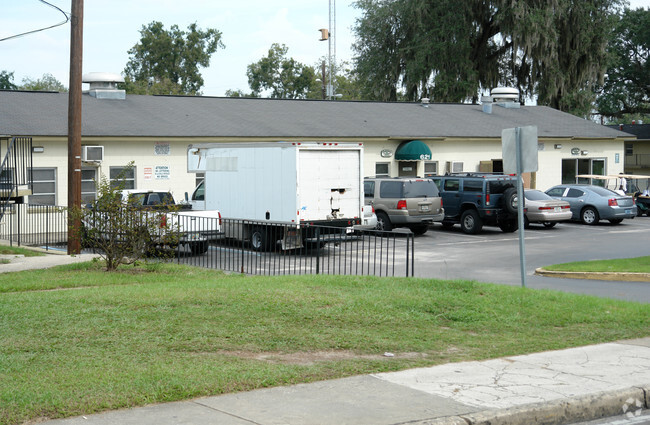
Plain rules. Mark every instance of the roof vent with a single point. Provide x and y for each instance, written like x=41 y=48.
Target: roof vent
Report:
x=425 y=102
x=103 y=85
x=507 y=97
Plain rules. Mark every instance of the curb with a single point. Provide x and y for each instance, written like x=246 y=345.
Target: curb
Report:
x=559 y=412
x=627 y=277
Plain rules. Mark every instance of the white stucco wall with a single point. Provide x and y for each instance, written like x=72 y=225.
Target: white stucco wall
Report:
x=172 y=175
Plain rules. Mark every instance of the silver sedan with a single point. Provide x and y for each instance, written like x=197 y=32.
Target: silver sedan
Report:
x=541 y=208
x=591 y=203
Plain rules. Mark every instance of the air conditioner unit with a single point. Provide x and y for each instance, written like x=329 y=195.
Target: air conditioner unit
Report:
x=92 y=153
x=454 y=167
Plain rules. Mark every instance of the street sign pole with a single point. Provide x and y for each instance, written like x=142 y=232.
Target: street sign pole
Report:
x=520 y=207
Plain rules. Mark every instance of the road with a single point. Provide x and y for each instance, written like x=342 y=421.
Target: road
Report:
x=493 y=256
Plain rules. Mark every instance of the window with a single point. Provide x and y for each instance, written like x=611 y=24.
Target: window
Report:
x=123 y=173
x=557 y=191
x=473 y=186
x=88 y=188
x=629 y=149
x=390 y=189
x=574 y=193
x=382 y=169
x=44 y=186
x=199 y=177
x=369 y=189
x=572 y=167
x=430 y=169
x=452 y=185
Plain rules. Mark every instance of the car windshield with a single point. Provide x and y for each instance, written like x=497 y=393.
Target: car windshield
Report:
x=420 y=189
x=536 y=195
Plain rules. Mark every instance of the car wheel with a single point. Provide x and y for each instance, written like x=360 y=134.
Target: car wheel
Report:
x=616 y=220
x=383 y=222
x=510 y=200
x=419 y=230
x=589 y=216
x=470 y=222
x=549 y=224
x=509 y=226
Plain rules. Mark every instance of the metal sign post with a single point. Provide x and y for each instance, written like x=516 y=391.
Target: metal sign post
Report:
x=519 y=149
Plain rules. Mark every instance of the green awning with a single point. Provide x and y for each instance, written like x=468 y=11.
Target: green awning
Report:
x=413 y=150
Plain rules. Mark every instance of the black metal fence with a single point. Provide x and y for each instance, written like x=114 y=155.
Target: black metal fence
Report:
x=262 y=248
x=243 y=246
x=41 y=226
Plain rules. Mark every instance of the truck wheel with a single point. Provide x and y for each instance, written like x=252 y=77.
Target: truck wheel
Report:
x=383 y=222
x=199 y=248
x=510 y=200
x=589 y=215
x=259 y=239
x=509 y=226
x=470 y=222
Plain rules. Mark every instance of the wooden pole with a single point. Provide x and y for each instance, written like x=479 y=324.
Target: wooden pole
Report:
x=74 y=124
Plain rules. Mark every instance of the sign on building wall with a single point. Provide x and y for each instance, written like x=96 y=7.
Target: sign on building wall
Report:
x=148 y=173
x=162 y=172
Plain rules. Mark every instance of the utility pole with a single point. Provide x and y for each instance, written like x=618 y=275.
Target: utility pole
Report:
x=74 y=124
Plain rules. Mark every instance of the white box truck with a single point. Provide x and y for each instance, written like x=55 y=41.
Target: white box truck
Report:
x=270 y=188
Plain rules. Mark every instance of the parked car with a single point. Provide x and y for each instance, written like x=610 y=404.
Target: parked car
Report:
x=541 y=208
x=403 y=202
x=477 y=199
x=590 y=203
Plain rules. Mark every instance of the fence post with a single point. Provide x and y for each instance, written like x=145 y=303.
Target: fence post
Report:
x=317 y=249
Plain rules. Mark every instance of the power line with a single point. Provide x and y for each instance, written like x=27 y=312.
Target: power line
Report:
x=67 y=19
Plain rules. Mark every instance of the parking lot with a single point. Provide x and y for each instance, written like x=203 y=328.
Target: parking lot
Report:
x=493 y=256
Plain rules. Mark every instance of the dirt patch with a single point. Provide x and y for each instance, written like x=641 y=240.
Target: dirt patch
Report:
x=310 y=357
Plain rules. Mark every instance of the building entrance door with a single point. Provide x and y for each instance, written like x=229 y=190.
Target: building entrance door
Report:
x=408 y=168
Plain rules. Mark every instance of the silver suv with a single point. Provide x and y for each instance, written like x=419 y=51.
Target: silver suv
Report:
x=404 y=202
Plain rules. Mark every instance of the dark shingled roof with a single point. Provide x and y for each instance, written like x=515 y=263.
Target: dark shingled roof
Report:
x=641 y=131
x=45 y=114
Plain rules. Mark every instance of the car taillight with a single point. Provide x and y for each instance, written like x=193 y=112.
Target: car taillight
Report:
x=401 y=204
x=546 y=208
x=373 y=209
x=612 y=202
x=487 y=199
x=219 y=212
x=566 y=207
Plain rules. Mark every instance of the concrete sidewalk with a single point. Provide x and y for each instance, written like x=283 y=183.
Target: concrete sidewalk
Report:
x=554 y=387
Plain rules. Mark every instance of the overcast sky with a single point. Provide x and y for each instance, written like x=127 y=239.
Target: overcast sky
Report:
x=111 y=28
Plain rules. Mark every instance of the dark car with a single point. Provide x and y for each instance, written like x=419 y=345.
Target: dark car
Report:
x=477 y=199
x=590 y=203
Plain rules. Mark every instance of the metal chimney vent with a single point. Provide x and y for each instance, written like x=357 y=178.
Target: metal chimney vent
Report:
x=103 y=85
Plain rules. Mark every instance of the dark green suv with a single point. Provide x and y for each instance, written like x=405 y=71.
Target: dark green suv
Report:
x=477 y=199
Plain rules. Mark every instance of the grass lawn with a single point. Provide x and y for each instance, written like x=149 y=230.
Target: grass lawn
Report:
x=76 y=339
x=13 y=250
x=629 y=265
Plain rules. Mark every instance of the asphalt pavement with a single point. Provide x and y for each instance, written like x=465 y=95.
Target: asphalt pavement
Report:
x=554 y=387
